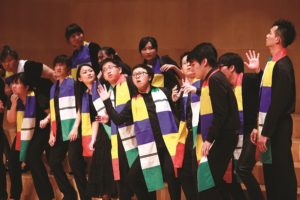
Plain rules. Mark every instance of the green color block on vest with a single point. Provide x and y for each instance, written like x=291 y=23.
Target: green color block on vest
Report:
x=204 y=177
x=153 y=178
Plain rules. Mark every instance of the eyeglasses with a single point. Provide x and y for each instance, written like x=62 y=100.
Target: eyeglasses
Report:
x=108 y=68
x=139 y=74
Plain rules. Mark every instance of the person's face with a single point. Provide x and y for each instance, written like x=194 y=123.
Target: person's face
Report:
x=76 y=40
x=141 y=79
x=86 y=75
x=19 y=88
x=272 y=38
x=10 y=64
x=102 y=56
x=111 y=72
x=187 y=70
x=199 y=69
x=61 y=70
x=148 y=52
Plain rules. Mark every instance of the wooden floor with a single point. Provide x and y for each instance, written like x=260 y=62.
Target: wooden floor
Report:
x=30 y=194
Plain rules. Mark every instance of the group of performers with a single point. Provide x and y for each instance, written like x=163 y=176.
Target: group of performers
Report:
x=199 y=127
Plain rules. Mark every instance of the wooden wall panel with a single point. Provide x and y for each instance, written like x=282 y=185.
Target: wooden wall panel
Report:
x=36 y=27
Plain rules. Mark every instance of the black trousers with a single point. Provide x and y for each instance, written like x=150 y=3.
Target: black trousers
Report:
x=14 y=170
x=3 y=192
x=188 y=173
x=78 y=167
x=37 y=146
x=39 y=174
x=244 y=169
x=218 y=159
x=280 y=178
x=56 y=155
x=138 y=184
x=124 y=189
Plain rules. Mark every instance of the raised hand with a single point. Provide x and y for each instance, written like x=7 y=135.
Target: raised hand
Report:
x=188 y=87
x=167 y=67
x=103 y=93
x=14 y=98
x=176 y=94
x=253 y=61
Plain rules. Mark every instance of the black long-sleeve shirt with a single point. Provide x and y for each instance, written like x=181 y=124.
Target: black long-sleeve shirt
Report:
x=250 y=93
x=126 y=115
x=283 y=96
x=224 y=106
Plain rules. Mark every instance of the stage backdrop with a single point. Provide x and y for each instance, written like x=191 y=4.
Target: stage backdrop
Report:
x=35 y=28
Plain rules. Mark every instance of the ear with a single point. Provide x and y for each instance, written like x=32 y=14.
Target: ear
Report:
x=204 y=62
x=120 y=70
x=231 y=68
x=278 y=39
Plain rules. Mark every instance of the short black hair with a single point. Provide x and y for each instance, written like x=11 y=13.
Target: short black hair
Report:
x=229 y=59
x=7 y=51
x=71 y=29
x=112 y=60
x=202 y=51
x=147 y=68
x=286 y=31
x=21 y=78
x=109 y=51
x=63 y=59
x=145 y=40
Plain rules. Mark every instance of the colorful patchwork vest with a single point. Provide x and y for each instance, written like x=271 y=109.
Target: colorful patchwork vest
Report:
x=86 y=125
x=26 y=122
x=81 y=56
x=204 y=177
x=265 y=101
x=145 y=138
x=158 y=78
x=183 y=131
x=126 y=130
x=67 y=107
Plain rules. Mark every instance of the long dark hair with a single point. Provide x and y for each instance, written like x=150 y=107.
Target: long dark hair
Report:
x=80 y=87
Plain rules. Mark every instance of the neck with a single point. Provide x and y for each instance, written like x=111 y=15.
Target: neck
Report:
x=190 y=79
x=233 y=79
x=89 y=86
x=144 y=90
x=15 y=69
x=61 y=79
x=120 y=79
x=275 y=49
x=206 y=71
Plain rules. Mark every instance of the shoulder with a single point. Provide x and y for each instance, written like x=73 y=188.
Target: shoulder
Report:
x=284 y=64
x=166 y=59
x=30 y=63
x=93 y=45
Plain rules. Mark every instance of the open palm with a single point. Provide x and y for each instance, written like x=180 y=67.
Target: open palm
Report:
x=253 y=60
